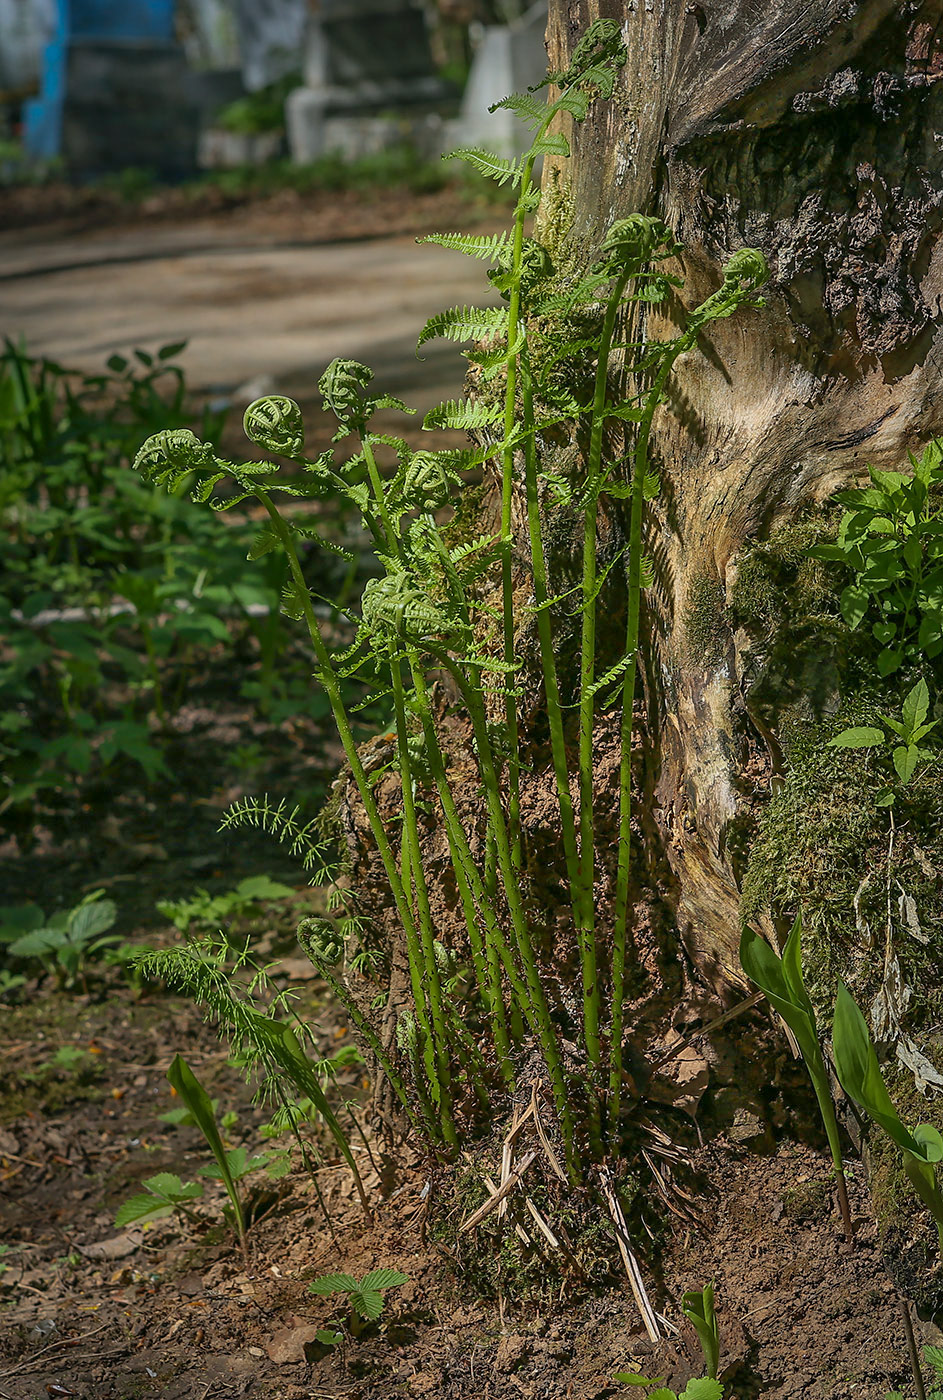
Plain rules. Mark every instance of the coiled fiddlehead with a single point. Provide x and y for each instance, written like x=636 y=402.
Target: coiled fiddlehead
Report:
x=428 y=482
x=321 y=942
x=172 y=453
x=275 y=423
x=342 y=387
x=395 y=605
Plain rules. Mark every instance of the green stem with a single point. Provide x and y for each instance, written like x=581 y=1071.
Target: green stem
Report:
x=547 y=654
x=487 y=956
x=329 y=679
x=421 y=951
x=536 y=1003
x=586 y=932
x=620 y=930
x=507 y=490
x=422 y=956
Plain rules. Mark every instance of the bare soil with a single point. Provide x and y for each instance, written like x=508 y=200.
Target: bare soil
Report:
x=172 y=1310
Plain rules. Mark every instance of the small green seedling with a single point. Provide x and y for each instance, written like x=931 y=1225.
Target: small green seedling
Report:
x=706 y=1388
x=65 y=942
x=859 y=1074
x=698 y=1308
x=890 y=537
x=198 y=1101
x=366 y=1295
x=904 y=741
x=239 y=1162
x=781 y=981
x=162 y=1195
x=209 y=911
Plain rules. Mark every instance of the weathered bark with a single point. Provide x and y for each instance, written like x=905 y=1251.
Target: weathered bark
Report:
x=810 y=129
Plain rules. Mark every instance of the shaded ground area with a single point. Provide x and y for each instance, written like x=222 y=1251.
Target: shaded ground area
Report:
x=171 y=1310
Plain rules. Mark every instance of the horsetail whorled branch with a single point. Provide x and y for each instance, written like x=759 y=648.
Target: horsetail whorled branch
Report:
x=484 y=1000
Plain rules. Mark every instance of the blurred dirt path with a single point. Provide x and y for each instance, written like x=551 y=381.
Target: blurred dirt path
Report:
x=259 y=316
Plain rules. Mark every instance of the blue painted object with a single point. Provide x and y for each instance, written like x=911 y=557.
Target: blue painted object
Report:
x=144 y=21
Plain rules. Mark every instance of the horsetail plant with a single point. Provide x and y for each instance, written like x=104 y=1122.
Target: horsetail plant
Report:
x=781 y=981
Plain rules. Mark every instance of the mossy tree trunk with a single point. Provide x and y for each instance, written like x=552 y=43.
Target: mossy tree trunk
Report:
x=812 y=131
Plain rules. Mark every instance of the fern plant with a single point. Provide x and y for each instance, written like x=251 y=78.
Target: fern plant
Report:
x=482 y=1006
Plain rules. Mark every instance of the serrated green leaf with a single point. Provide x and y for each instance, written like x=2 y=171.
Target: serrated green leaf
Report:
x=704 y=1389
x=853 y=603
x=916 y=706
x=383 y=1278
x=329 y=1284
x=142 y=1208
x=367 y=1303
x=463 y=414
x=485 y=247
x=905 y=761
x=493 y=167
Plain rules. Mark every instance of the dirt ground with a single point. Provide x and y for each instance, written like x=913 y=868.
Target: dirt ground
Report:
x=173 y=1310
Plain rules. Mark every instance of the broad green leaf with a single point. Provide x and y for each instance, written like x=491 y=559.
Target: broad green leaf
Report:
x=198 y=1101
x=781 y=982
x=164 y=1184
x=92 y=917
x=698 y=1308
x=384 y=1278
x=859 y=737
x=916 y=706
x=262 y=887
x=859 y=1074
x=934 y=1359
x=328 y=1338
x=142 y=1208
x=368 y=1303
x=889 y=661
x=328 y=1284
x=905 y=761
x=704 y=1389
x=853 y=603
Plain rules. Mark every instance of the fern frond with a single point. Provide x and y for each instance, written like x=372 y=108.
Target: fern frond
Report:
x=554 y=144
x=488 y=164
x=576 y=102
x=465 y=323
x=491 y=247
x=614 y=673
x=531 y=110
x=463 y=414
x=483 y=542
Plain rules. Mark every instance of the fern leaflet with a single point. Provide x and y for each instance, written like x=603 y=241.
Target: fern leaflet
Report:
x=492 y=247
x=463 y=414
x=488 y=164
x=465 y=323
